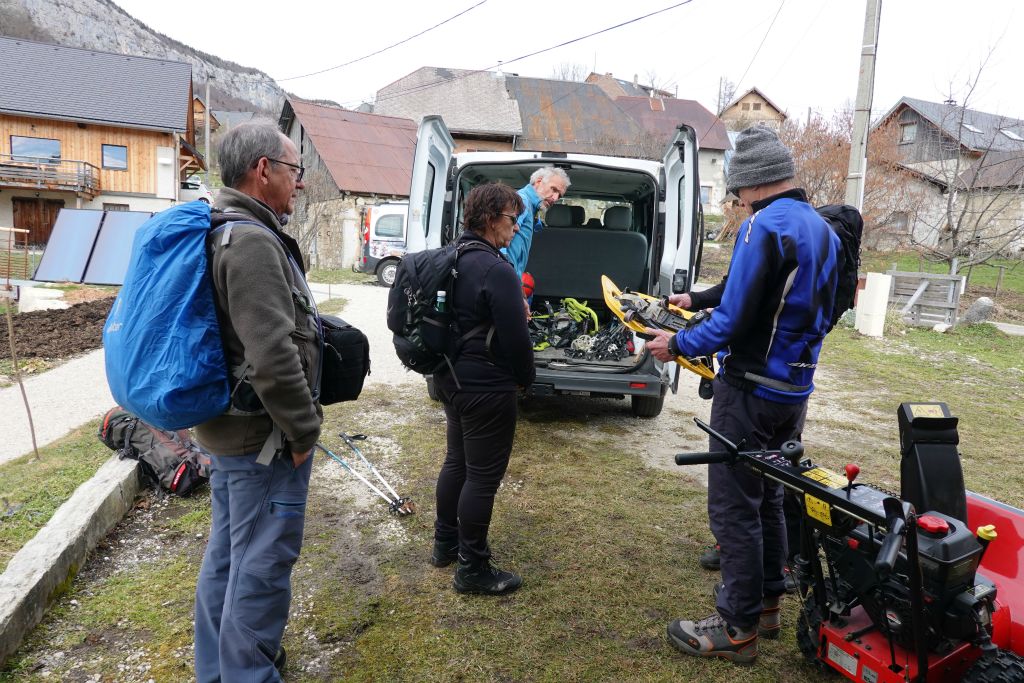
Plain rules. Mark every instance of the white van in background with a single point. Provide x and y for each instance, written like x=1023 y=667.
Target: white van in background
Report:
x=643 y=231
x=382 y=240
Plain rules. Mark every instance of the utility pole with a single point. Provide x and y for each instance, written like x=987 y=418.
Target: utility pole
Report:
x=206 y=120
x=862 y=113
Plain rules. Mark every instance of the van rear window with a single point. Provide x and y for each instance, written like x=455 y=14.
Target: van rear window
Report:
x=390 y=226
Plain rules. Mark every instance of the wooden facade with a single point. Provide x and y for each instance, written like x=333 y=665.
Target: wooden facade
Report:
x=84 y=142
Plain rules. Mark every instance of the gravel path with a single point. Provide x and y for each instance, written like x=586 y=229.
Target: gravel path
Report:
x=76 y=392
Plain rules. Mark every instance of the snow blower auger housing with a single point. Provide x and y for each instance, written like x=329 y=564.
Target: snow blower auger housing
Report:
x=640 y=311
x=898 y=588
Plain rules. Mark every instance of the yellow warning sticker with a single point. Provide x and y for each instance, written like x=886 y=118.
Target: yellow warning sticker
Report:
x=825 y=477
x=926 y=410
x=818 y=509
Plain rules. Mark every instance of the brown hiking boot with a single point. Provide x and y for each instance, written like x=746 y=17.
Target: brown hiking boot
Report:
x=769 y=625
x=714 y=637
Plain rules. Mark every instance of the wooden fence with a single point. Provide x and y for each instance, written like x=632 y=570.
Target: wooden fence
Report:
x=926 y=299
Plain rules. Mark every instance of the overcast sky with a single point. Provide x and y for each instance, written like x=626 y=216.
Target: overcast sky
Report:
x=809 y=58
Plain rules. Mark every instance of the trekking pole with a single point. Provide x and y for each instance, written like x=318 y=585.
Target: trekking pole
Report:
x=403 y=506
x=361 y=478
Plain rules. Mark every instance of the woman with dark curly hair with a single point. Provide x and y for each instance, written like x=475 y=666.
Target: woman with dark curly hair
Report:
x=480 y=405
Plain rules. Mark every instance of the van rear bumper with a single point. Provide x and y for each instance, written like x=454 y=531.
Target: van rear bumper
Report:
x=648 y=380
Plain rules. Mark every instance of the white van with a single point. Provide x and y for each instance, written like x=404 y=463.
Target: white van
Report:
x=382 y=240
x=643 y=231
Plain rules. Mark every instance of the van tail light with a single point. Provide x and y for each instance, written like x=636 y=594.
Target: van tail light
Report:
x=366 y=225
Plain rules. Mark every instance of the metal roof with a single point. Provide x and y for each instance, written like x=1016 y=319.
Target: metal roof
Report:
x=364 y=153
x=569 y=116
x=52 y=81
x=987 y=128
x=661 y=117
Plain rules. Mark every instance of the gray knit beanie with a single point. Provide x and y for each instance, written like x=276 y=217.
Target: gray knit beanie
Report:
x=760 y=158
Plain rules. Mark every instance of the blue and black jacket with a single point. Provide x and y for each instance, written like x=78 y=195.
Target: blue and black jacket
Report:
x=776 y=304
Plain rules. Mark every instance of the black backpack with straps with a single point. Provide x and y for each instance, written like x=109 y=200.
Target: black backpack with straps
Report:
x=847 y=223
x=427 y=339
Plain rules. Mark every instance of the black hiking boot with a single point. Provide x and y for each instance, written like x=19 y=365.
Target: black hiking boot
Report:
x=444 y=553
x=483 y=578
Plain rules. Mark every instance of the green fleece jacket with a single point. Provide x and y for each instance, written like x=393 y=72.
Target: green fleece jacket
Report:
x=262 y=322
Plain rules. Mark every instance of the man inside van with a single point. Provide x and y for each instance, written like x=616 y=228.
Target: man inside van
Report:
x=774 y=313
x=547 y=185
x=262 y=452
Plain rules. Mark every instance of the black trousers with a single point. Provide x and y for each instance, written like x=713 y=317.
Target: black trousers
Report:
x=746 y=510
x=481 y=428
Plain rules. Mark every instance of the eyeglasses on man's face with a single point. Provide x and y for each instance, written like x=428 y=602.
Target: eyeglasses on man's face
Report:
x=299 y=170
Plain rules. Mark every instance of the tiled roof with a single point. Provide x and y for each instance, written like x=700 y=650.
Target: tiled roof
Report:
x=53 y=81
x=469 y=101
x=365 y=153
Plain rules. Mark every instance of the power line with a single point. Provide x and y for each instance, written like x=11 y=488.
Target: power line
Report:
x=442 y=81
x=758 y=50
x=383 y=49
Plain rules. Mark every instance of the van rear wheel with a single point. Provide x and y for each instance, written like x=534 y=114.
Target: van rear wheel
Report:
x=386 y=272
x=647 y=406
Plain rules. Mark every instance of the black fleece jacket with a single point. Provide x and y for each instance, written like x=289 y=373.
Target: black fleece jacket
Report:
x=487 y=290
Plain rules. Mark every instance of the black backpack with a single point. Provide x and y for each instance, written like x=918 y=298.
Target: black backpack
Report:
x=425 y=338
x=168 y=460
x=848 y=224
x=346 y=361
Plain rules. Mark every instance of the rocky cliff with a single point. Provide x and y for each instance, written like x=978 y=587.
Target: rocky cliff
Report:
x=102 y=25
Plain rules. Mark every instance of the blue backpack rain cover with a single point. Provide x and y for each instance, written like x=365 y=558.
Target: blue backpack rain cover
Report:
x=164 y=356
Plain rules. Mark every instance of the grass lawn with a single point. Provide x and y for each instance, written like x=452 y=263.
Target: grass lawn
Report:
x=32 y=490
x=340 y=276
x=605 y=537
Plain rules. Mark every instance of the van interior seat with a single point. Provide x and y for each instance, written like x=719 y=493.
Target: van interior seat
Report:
x=579 y=216
x=569 y=262
x=618 y=218
x=558 y=216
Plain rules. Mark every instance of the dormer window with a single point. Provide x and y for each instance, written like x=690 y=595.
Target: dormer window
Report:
x=1010 y=134
x=971 y=128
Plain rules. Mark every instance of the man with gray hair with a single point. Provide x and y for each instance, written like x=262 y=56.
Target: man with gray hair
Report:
x=775 y=310
x=547 y=185
x=261 y=448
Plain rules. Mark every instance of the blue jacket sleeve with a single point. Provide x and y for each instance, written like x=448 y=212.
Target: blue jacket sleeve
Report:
x=754 y=259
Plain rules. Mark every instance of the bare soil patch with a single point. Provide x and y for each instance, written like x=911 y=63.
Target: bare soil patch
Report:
x=59 y=333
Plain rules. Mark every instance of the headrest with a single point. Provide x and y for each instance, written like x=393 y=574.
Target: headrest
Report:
x=559 y=216
x=579 y=214
x=618 y=218
x=593 y=223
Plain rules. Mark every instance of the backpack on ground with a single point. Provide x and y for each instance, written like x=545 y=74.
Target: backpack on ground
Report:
x=168 y=460
x=848 y=225
x=426 y=335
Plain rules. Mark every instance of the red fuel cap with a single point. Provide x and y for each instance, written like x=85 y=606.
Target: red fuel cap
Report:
x=933 y=525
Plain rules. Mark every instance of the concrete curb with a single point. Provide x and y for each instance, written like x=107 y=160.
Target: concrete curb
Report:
x=44 y=567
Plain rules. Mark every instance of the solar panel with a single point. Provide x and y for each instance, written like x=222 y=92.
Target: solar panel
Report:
x=70 y=244
x=109 y=260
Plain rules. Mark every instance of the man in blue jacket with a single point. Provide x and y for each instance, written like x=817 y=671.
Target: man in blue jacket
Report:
x=547 y=185
x=768 y=329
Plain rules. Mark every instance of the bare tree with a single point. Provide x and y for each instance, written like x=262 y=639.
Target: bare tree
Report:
x=979 y=213
x=726 y=92
x=821 y=151
x=570 y=71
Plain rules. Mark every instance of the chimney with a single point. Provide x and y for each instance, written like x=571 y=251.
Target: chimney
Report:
x=635 y=76
x=951 y=102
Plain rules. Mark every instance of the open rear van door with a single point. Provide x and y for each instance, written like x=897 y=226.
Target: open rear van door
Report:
x=682 y=214
x=434 y=149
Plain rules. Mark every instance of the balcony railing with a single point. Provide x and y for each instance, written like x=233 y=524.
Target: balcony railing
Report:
x=49 y=174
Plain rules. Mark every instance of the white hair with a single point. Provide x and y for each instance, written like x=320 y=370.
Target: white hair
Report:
x=545 y=172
